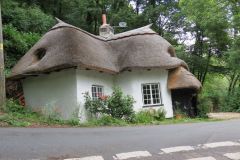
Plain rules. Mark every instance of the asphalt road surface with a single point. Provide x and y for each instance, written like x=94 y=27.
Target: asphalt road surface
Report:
x=204 y=141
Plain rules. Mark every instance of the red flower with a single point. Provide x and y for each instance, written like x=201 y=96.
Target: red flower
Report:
x=102 y=97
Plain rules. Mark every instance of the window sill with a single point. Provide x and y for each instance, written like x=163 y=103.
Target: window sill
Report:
x=152 y=105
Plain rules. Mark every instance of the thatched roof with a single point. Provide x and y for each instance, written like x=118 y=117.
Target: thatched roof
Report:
x=180 y=78
x=66 y=46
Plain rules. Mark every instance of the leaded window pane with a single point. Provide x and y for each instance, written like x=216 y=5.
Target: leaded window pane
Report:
x=151 y=93
x=97 y=91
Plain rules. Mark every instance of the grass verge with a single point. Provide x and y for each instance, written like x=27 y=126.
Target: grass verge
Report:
x=15 y=115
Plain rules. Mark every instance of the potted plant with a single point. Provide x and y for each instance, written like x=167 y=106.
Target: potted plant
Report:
x=179 y=114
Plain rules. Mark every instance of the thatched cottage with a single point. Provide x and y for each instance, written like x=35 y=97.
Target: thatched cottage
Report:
x=68 y=61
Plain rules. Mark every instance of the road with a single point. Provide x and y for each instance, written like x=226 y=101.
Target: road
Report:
x=146 y=142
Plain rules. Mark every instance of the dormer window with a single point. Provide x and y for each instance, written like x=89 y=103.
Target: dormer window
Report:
x=171 y=51
x=40 y=53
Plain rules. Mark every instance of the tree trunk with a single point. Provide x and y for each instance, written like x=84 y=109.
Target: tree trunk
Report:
x=137 y=6
x=2 y=74
x=206 y=69
x=233 y=82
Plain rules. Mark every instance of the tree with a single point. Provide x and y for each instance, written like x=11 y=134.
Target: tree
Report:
x=22 y=28
x=208 y=23
x=26 y=18
x=2 y=76
x=233 y=59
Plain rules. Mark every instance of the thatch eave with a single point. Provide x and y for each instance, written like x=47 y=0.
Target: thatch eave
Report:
x=180 y=78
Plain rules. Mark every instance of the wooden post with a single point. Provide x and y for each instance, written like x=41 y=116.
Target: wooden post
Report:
x=2 y=74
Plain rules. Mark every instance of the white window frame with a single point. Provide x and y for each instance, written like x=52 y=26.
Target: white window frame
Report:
x=97 y=91
x=151 y=98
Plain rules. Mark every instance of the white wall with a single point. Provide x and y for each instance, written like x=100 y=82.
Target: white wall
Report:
x=85 y=80
x=54 y=91
x=131 y=82
x=65 y=89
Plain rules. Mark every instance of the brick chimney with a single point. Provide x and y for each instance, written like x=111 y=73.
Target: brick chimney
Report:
x=105 y=30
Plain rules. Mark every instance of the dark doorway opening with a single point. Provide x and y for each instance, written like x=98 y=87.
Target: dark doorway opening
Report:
x=185 y=100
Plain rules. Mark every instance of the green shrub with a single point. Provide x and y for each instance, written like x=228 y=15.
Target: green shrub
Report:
x=160 y=114
x=116 y=105
x=13 y=120
x=73 y=122
x=143 y=117
x=94 y=106
x=232 y=102
x=119 y=106
x=204 y=107
x=214 y=90
x=14 y=106
x=149 y=116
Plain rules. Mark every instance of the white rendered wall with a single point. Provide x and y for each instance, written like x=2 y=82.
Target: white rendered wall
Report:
x=85 y=80
x=52 y=92
x=131 y=82
x=65 y=90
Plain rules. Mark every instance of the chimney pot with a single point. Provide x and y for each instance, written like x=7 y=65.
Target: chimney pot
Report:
x=104 y=18
x=105 y=29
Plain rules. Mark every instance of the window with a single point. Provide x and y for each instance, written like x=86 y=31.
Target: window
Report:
x=97 y=91
x=40 y=53
x=151 y=94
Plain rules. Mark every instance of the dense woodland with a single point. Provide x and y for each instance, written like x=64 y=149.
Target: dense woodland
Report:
x=205 y=33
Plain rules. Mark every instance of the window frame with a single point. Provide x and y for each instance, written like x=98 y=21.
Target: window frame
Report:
x=151 y=95
x=97 y=91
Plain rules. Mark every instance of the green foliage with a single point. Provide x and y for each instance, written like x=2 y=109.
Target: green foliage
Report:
x=17 y=43
x=144 y=117
x=232 y=102
x=22 y=28
x=232 y=59
x=204 y=107
x=12 y=106
x=117 y=105
x=201 y=12
x=94 y=106
x=159 y=114
x=149 y=116
x=73 y=122
x=16 y=115
x=208 y=22
x=214 y=92
x=24 y=18
x=212 y=95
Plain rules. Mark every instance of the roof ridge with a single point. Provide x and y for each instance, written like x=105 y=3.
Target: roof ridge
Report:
x=134 y=32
